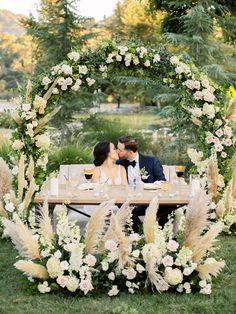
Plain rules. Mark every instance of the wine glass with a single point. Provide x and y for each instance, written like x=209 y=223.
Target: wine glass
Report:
x=179 y=171
x=88 y=173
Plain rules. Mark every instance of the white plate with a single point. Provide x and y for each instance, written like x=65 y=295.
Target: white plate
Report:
x=86 y=186
x=151 y=186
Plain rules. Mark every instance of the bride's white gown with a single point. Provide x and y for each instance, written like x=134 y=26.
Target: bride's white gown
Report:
x=104 y=179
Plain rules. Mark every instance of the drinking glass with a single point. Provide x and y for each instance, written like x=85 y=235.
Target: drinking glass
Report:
x=88 y=173
x=179 y=172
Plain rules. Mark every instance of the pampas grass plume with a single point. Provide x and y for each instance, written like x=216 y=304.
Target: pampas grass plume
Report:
x=150 y=221
x=32 y=269
x=5 y=178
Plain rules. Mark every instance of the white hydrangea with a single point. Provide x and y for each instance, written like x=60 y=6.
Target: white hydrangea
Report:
x=26 y=107
x=147 y=63
x=156 y=58
x=114 y=291
x=123 y=50
x=73 y=55
x=66 y=69
x=184 y=256
x=44 y=288
x=90 y=81
x=174 y=60
x=83 y=69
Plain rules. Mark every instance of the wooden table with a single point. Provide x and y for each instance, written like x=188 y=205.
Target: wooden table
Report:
x=173 y=196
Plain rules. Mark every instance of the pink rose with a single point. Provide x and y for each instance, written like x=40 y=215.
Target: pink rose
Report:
x=90 y=260
x=167 y=261
x=110 y=245
x=86 y=286
x=172 y=245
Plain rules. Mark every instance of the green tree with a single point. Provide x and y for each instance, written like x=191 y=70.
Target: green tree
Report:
x=57 y=29
x=223 y=12
x=131 y=19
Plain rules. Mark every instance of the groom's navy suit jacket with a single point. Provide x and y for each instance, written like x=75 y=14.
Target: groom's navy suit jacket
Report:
x=152 y=165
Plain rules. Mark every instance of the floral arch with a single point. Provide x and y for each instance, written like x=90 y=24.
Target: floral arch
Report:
x=202 y=101
x=166 y=263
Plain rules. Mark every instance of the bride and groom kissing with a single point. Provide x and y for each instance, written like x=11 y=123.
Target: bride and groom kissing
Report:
x=124 y=166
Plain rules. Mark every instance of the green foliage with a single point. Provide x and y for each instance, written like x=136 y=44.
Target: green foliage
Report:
x=5 y=149
x=69 y=154
x=57 y=29
x=6 y=120
x=96 y=129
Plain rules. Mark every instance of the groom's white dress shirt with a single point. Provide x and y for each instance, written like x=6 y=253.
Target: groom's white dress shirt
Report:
x=134 y=172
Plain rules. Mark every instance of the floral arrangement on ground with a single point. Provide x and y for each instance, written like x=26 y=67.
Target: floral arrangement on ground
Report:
x=110 y=258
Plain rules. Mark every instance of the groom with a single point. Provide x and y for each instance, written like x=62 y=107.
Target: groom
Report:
x=134 y=162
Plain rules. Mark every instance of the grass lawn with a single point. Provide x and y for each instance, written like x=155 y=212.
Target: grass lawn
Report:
x=14 y=298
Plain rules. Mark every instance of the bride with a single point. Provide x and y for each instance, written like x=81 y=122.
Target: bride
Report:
x=106 y=171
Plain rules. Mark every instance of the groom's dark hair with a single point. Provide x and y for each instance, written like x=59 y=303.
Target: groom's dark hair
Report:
x=129 y=142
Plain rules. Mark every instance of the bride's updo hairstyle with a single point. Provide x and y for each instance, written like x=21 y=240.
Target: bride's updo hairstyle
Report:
x=100 y=153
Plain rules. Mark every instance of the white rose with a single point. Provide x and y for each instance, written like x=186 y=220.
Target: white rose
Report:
x=46 y=80
x=118 y=58
x=140 y=268
x=114 y=291
x=103 y=68
x=173 y=276
x=202 y=283
x=10 y=207
x=111 y=276
x=136 y=253
x=131 y=273
x=26 y=107
x=110 y=245
x=105 y=266
x=90 y=260
x=18 y=145
x=147 y=63
x=90 y=81
x=72 y=284
x=223 y=154
x=42 y=141
x=174 y=60
x=208 y=110
x=64 y=265
x=206 y=290
x=134 y=237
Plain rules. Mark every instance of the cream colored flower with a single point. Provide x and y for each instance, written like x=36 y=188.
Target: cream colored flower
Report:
x=39 y=104
x=42 y=141
x=73 y=55
x=114 y=291
x=173 y=276
x=86 y=286
x=72 y=284
x=18 y=145
x=44 y=288
x=26 y=107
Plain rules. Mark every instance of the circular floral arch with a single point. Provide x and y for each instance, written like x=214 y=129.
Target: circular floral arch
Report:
x=201 y=101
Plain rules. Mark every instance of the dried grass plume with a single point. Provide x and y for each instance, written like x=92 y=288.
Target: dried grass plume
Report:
x=32 y=269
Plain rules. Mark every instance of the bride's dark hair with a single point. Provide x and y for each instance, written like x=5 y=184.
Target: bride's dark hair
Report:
x=100 y=152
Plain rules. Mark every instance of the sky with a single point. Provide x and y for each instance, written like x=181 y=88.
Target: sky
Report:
x=89 y=8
